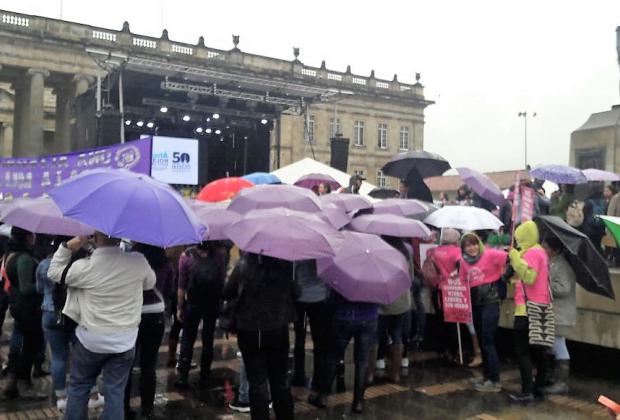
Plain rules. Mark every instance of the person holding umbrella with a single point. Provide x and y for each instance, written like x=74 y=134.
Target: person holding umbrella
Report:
x=482 y=268
x=563 y=286
x=561 y=200
x=532 y=305
x=355 y=183
x=105 y=300
x=265 y=308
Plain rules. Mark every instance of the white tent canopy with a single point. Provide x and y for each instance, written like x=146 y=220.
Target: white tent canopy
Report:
x=290 y=173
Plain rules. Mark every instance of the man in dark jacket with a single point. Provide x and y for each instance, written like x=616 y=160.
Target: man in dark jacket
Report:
x=355 y=183
x=265 y=292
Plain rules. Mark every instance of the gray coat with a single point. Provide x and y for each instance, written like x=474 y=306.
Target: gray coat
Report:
x=562 y=279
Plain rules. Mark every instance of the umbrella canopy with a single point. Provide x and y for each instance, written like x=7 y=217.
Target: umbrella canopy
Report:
x=600 y=175
x=347 y=202
x=366 y=269
x=197 y=204
x=590 y=267
x=217 y=219
x=336 y=216
x=463 y=218
x=427 y=164
x=384 y=193
x=403 y=207
x=41 y=215
x=223 y=189
x=260 y=178
x=560 y=174
x=286 y=234
x=391 y=225
x=272 y=196
x=482 y=185
x=124 y=204
x=313 y=180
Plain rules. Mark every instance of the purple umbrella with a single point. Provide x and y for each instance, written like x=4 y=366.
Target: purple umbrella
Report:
x=272 y=196
x=482 y=185
x=560 y=174
x=403 y=207
x=313 y=180
x=600 y=175
x=390 y=225
x=218 y=219
x=286 y=234
x=41 y=215
x=336 y=216
x=366 y=269
x=347 y=202
x=124 y=204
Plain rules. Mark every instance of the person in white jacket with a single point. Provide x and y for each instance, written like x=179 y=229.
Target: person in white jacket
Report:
x=105 y=300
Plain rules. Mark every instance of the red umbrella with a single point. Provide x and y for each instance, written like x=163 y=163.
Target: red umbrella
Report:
x=223 y=189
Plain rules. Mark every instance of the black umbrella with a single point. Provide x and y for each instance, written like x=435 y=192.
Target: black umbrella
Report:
x=590 y=267
x=384 y=193
x=427 y=164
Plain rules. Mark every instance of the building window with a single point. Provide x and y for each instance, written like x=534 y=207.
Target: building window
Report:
x=404 y=138
x=382 y=136
x=334 y=126
x=381 y=179
x=309 y=129
x=358 y=133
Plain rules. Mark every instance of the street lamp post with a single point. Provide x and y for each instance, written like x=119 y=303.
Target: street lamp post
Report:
x=524 y=115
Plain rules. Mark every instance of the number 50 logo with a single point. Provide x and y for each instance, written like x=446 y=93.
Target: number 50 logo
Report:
x=180 y=157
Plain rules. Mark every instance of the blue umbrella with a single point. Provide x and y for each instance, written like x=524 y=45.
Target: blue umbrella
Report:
x=259 y=178
x=560 y=174
x=124 y=204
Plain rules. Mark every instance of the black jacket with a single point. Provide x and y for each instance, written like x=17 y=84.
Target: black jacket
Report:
x=485 y=294
x=267 y=291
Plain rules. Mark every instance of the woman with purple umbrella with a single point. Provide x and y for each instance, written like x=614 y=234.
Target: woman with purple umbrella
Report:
x=357 y=320
x=264 y=290
x=561 y=200
x=394 y=325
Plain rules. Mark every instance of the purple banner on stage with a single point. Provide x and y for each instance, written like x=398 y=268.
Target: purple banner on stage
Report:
x=33 y=177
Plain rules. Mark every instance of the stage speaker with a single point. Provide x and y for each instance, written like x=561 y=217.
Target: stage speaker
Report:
x=339 y=153
x=109 y=128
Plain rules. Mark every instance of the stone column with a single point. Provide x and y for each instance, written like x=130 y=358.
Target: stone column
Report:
x=6 y=142
x=29 y=114
x=66 y=93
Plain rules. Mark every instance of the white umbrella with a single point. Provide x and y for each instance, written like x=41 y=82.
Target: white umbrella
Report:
x=463 y=218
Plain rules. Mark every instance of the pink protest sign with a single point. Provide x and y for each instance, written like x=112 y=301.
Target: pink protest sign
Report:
x=456 y=300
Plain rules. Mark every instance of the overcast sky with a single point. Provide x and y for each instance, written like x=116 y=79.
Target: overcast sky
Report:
x=481 y=61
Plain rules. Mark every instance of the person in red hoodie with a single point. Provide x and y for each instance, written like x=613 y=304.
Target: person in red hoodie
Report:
x=482 y=268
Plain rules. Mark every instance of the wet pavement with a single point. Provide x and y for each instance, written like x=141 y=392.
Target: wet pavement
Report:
x=430 y=389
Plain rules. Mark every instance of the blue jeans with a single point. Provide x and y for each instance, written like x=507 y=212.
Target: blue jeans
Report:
x=486 y=320
x=85 y=367
x=59 y=340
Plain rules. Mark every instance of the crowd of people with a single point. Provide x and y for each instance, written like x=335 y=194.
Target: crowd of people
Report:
x=105 y=308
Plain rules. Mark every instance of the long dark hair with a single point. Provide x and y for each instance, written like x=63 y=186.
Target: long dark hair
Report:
x=155 y=255
x=19 y=240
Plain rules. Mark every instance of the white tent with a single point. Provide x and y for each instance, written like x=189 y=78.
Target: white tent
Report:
x=290 y=173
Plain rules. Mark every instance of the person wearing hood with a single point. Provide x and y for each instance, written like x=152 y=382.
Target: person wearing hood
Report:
x=530 y=263
x=482 y=268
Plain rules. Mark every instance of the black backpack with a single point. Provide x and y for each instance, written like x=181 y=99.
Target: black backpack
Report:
x=205 y=282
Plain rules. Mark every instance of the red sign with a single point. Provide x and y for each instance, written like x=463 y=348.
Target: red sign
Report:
x=523 y=204
x=456 y=300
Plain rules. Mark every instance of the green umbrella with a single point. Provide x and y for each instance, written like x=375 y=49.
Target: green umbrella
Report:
x=613 y=225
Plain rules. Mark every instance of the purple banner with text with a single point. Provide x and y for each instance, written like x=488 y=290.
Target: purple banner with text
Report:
x=33 y=177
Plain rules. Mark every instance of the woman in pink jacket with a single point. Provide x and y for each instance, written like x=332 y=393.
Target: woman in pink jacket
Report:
x=531 y=266
x=482 y=268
